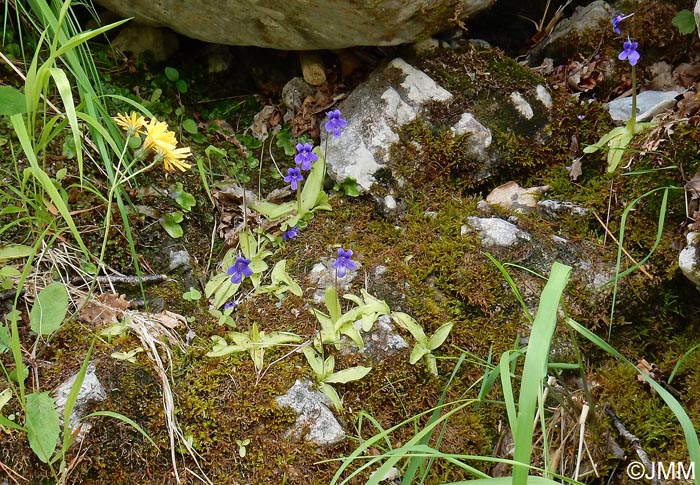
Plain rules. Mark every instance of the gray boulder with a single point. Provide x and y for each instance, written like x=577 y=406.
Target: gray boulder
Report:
x=300 y=24
x=315 y=422
x=375 y=111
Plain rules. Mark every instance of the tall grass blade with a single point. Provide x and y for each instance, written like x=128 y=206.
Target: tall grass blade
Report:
x=535 y=367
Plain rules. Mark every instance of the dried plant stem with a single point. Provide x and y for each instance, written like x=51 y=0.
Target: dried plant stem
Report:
x=634 y=261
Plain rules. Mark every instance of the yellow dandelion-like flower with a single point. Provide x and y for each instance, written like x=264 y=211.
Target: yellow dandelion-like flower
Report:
x=158 y=137
x=173 y=159
x=131 y=123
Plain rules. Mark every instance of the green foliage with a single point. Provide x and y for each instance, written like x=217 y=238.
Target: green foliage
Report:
x=254 y=341
x=616 y=141
x=173 y=76
x=349 y=187
x=190 y=126
x=281 y=282
x=220 y=286
x=285 y=140
x=325 y=374
x=184 y=199
x=49 y=309
x=684 y=20
x=12 y=101
x=424 y=345
x=43 y=428
x=335 y=323
x=171 y=224
x=192 y=295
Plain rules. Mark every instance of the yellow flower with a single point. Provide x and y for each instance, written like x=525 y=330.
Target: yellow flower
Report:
x=131 y=123
x=173 y=159
x=158 y=137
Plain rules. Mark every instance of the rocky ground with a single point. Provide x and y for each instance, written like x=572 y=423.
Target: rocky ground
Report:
x=455 y=152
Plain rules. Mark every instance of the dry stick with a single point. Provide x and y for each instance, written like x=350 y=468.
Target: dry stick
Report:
x=633 y=440
x=634 y=261
x=581 y=434
x=124 y=279
x=10 y=472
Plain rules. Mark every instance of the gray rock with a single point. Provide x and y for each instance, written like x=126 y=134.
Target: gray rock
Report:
x=179 y=259
x=323 y=275
x=543 y=96
x=295 y=92
x=495 y=231
x=140 y=39
x=381 y=341
x=301 y=24
x=688 y=259
x=480 y=137
x=585 y=19
x=90 y=391
x=315 y=422
x=390 y=98
x=554 y=208
x=649 y=103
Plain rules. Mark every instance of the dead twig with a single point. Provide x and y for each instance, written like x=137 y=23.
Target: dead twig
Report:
x=633 y=440
x=634 y=261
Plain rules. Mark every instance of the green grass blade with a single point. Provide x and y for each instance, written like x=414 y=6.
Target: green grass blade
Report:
x=535 y=367
x=72 y=398
x=124 y=419
x=415 y=464
x=45 y=180
x=508 y=397
x=64 y=89
x=621 y=238
x=511 y=283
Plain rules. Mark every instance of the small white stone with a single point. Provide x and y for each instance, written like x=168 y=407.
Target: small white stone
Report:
x=543 y=96
x=521 y=105
x=390 y=202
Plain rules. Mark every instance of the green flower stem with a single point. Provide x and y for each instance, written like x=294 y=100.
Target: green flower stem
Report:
x=299 y=199
x=631 y=122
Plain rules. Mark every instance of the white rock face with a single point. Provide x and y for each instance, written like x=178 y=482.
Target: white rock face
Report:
x=480 y=137
x=511 y=197
x=649 y=103
x=688 y=259
x=315 y=423
x=300 y=24
x=521 y=105
x=90 y=391
x=374 y=112
x=495 y=231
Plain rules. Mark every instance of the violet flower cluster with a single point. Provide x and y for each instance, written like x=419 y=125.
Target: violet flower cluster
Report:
x=239 y=270
x=629 y=48
x=343 y=262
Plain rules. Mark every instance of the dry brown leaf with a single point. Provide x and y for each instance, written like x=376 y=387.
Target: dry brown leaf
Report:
x=169 y=319
x=576 y=170
x=104 y=309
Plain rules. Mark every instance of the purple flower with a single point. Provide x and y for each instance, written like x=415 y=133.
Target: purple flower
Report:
x=230 y=304
x=293 y=176
x=290 y=234
x=335 y=123
x=629 y=52
x=239 y=270
x=343 y=263
x=580 y=117
x=305 y=157
x=616 y=22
